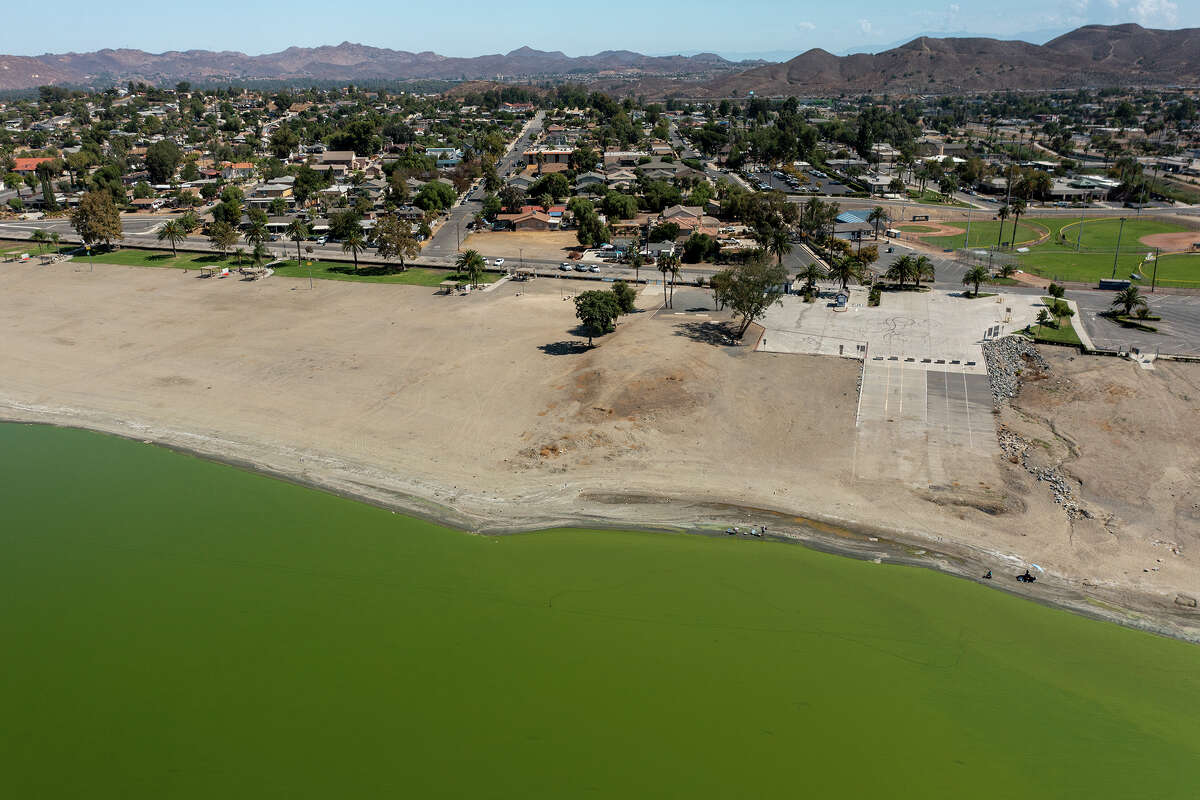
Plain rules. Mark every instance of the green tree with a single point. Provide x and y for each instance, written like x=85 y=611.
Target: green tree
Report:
x=877 y=217
x=471 y=264
x=172 y=232
x=668 y=265
x=1129 y=298
x=162 y=158
x=1001 y=214
x=626 y=296
x=901 y=270
x=598 y=311
x=222 y=236
x=975 y=276
x=1018 y=208
x=844 y=269
x=778 y=244
x=753 y=288
x=922 y=268
x=353 y=242
x=394 y=239
x=297 y=231
x=256 y=232
x=96 y=219
x=40 y=237
x=435 y=196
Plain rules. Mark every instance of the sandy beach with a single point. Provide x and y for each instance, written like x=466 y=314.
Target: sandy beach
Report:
x=484 y=412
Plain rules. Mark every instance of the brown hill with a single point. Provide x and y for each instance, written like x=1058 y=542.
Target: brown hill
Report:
x=343 y=62
x=1095 y=55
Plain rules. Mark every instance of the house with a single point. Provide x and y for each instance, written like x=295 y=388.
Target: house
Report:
x=338 y=158
x=516 y=108
x=622 y=158
x=26 y=166
x=588 y=180
x=527 y=221
x=241 y=169
x=522 y=182
x=547 y=156
x=446 y=156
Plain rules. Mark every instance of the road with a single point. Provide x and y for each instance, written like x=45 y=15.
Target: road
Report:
x=447 y=239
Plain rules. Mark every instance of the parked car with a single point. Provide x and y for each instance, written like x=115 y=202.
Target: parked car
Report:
x=594 y=268
x=565 y=267
x=581 y=267
x=499 y=262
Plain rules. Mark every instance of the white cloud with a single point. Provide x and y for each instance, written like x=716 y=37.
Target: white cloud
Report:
x=805 y=26
x=864 y=25
x=1156 y=12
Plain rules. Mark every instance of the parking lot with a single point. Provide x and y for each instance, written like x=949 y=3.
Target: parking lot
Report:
x=1178 y=331
x=922 y=424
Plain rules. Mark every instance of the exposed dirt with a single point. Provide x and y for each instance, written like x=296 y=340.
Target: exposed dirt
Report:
x=1182 y=242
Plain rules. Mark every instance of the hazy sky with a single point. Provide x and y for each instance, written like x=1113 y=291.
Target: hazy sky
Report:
x=474 y=27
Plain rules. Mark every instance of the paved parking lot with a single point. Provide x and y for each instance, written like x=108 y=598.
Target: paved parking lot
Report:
x=1179 y=330
x=921 y=424
x=926 y=329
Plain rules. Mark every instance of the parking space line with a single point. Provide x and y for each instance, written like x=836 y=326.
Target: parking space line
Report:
x=967 y=406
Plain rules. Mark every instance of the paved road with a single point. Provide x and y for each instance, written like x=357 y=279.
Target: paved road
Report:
x=448 y=238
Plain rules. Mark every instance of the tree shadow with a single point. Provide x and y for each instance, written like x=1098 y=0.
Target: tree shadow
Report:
x=215 y=258
x=718 y=334
x=566 y=347
x=159 y=257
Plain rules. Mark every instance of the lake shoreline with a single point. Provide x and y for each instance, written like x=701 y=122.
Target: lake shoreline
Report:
x=653 y=513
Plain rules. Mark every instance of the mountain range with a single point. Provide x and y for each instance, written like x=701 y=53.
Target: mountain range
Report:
x=343 y=62
x=1091 y=56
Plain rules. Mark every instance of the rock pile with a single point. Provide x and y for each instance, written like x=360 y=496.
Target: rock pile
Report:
x=1005 y=359
x=1017 y=451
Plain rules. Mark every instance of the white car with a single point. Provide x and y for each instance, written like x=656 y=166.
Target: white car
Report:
x=565 y=267
x=499 y=262
x=593 y=268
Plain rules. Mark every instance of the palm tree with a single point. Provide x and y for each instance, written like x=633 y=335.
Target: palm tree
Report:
x=1018 y=208
x=1129 y=297
x=810 y=275
x=1007 y=270
x=1002 y=213
x=900 y=270
x=845 y=269
x=238 y=255
x=636 y=262
x=54 y=240
x=779 y=244
x=668 y=265
x=922 y=268
x=975 y=275
x=172 y=232
x=878 y=215
x=39 y=236
x=470 y=263
x=256 y=233
x=259 y=254
x=353 y=242
x=297 y=231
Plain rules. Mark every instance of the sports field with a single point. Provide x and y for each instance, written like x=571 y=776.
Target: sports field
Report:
x=986 y=233
x=1096 y=240
x=178 y=628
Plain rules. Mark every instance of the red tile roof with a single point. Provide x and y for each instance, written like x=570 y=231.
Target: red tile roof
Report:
x=28 y=164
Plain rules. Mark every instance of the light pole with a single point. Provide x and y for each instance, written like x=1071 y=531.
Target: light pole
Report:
x=1079 y=233
x=1117 y=253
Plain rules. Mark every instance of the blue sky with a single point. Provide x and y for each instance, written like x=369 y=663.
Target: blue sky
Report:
x=734 y=28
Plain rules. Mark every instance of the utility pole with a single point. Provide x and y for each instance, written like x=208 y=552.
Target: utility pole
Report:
x=1079 y=233
x=967 y=239
x=1117 y=252
x=1154 y=275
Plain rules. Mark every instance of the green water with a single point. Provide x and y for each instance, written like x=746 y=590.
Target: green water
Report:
x=173 y=628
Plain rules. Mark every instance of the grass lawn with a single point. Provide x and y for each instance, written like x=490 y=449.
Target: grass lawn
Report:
x=372 y=273
x=1057 y=258
x=985 y=232
x=1062 y=331
x=324 y=270
x=134 y=257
